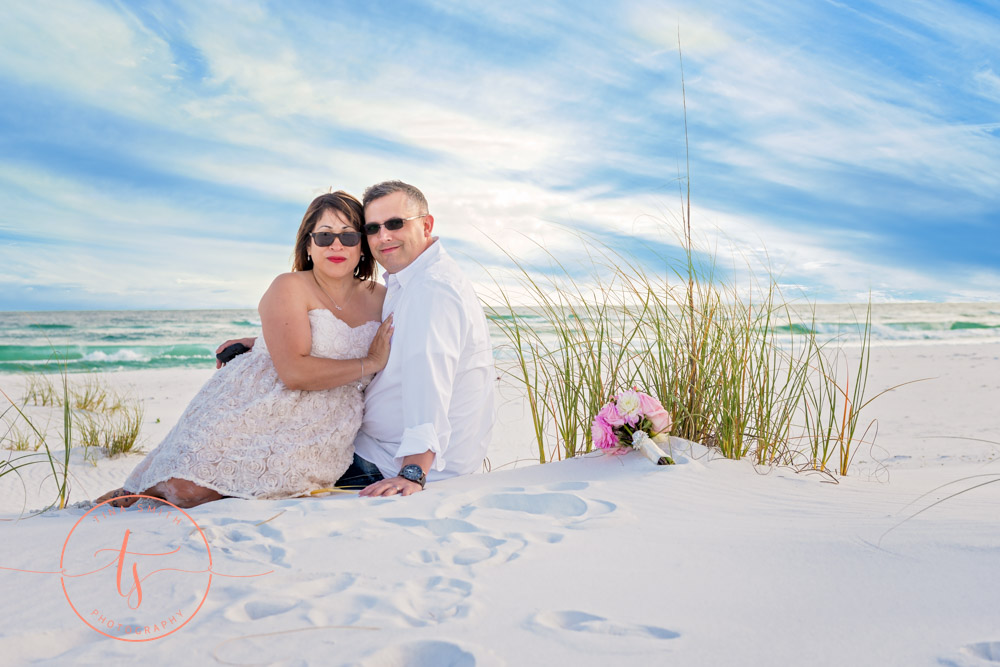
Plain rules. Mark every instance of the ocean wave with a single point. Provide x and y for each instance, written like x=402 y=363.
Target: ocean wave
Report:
x=187 y=352
x=795 y=329
x=39 y=353
x=45 y=358
x=99 y=356
x=972 y=325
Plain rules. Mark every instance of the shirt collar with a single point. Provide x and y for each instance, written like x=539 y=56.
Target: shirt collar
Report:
x=417 y=266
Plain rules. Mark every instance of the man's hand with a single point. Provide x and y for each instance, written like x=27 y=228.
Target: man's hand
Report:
x=246 y=341
x=390 y=487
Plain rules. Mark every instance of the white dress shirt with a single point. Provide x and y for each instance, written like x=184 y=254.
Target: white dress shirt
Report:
x=437 y=390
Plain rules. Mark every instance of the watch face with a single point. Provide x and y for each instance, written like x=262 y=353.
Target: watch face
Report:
x=411 y=472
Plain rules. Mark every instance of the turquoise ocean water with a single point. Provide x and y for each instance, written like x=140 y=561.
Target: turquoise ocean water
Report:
x=118 y=340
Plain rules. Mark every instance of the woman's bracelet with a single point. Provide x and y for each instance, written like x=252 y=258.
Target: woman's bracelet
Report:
x=361 y=379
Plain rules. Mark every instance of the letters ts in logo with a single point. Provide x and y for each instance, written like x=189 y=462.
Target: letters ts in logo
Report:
x=136 y=574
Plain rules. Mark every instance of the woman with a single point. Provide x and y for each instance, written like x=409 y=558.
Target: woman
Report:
x=280 y=420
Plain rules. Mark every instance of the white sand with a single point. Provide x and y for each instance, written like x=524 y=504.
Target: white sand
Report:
x=594 y=561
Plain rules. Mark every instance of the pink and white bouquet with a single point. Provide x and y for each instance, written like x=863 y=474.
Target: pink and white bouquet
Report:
x=631 y=420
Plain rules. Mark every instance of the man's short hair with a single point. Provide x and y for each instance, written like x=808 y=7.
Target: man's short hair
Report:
x=386 y=188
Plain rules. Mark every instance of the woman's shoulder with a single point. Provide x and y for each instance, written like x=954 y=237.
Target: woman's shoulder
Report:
x=374 y=296
x=293 y=280
x=287 y=286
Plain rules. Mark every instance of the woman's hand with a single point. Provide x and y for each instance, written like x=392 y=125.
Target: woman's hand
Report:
x=378 y=351
x=246 y=341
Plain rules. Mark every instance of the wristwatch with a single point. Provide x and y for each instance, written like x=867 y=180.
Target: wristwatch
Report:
x=414 y=473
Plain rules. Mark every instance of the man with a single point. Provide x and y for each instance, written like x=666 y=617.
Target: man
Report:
x=429 y=413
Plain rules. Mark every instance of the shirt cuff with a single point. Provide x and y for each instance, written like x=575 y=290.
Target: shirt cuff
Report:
x=420 y=439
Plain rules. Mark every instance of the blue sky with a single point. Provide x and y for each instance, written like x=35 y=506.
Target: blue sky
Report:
x=160 y=154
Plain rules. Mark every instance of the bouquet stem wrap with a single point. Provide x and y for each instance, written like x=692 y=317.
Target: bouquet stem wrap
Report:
x=650 y=449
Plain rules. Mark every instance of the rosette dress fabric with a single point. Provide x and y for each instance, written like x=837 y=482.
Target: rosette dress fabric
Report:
x=247 y=435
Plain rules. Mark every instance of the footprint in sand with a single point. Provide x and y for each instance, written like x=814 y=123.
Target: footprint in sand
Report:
x=480 y=548
x=324 y=645
x=257 y=609
x=432 y=601
x=987 y=651
x=249 y=542
x=436 y=527
x=578 y=621
x=548 y=504
x=472 y=549
x=463 y=542
x=552 y=504
x=265 y=598
x=430 y=652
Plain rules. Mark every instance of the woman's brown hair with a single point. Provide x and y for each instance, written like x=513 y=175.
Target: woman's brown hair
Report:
x=348 y=206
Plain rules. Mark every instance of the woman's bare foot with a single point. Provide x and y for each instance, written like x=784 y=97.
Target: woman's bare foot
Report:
x=179 y=492
x=116 y=498
x=184 y=493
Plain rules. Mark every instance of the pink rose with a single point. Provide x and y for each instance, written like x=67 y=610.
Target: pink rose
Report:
x=655 y=413
x=603 y=434
x=610 y=414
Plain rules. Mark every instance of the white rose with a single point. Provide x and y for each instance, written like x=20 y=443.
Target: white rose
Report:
x=630 y=406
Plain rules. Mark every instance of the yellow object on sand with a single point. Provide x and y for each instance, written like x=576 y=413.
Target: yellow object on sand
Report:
x=317 y=492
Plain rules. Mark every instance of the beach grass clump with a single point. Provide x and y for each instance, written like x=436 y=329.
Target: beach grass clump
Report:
x=59 y=467
x=114 y=432
x=831 y=406
x=93 y=416
x=39 y=390
x=731 y=365
x=92 y=395
x=18 y=439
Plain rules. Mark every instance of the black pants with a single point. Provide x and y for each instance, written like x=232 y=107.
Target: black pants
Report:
x=359 y=475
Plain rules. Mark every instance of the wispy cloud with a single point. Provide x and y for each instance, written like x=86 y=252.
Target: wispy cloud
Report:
x=162 y=153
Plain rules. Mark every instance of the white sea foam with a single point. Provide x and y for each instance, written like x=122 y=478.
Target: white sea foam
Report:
x=120 y=355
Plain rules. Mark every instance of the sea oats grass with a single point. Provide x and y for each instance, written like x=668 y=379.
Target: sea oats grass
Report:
x=731 y=375
x=92 y=416
x=111 y=432
x=59 y=468
x=92 y=395
x=17 y=439
x=39 y=390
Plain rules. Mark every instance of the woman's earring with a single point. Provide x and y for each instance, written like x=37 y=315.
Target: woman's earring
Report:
x=309 y=257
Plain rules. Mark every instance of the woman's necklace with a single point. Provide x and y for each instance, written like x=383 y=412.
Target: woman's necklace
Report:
x=327 y=294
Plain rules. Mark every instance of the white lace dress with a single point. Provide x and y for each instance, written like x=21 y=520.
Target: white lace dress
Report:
x=246 y=435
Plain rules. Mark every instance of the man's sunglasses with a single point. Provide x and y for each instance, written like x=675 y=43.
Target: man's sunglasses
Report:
x=391 y=225
x=347 y=239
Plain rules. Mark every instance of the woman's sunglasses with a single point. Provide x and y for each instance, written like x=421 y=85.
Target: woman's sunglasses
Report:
x=391 y=225
x=347 y=239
